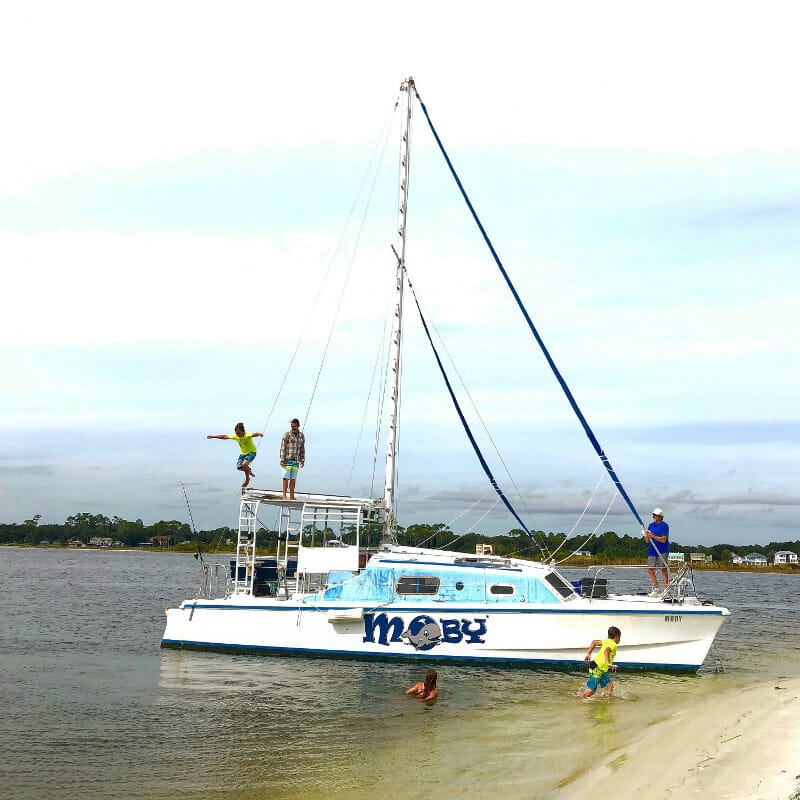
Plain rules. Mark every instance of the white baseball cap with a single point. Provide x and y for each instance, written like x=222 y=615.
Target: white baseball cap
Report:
x=658 y=512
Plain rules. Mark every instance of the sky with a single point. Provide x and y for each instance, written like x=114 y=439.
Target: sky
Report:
x=186 y=188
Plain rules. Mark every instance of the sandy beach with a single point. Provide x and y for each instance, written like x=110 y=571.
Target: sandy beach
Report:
x=745 y=744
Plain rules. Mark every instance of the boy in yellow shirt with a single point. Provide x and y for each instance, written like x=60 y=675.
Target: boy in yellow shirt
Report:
x=600 y=666
x=246 y=446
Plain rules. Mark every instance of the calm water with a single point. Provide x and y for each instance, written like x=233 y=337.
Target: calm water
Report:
x=93 y=708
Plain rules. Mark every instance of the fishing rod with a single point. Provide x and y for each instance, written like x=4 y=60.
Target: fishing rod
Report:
x=199 y=553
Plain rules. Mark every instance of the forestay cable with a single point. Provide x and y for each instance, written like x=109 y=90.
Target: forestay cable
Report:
x=592 y=438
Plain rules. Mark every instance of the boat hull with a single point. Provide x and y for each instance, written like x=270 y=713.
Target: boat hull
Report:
x=654 y=635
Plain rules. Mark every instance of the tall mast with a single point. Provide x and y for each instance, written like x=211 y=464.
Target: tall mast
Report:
x=406 y=90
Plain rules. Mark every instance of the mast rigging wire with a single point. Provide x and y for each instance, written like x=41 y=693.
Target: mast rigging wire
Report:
x=346 y=282
x=542 y=547
x=477 y=522
x=380 y=352
x=464 y=423
x=593 y=533
x=382 y=146
x=580 y=517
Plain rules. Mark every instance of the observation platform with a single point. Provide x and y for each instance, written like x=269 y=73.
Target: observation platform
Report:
x=274 y=497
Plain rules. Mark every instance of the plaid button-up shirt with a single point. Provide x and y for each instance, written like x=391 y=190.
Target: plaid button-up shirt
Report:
x=293 y=447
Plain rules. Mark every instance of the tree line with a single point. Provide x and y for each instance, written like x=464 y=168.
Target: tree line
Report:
x=608 y=546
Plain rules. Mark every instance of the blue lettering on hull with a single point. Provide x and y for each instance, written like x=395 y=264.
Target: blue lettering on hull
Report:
x=423 y=632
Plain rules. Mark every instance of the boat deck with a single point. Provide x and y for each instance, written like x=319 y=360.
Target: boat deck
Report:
x=275 y=497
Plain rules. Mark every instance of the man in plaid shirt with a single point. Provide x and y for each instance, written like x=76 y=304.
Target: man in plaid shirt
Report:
x=293 y=456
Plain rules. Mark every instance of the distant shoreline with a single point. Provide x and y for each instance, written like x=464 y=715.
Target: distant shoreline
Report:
x=576 y=563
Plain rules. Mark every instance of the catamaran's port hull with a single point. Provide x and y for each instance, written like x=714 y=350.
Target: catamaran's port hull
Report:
x=654 y=635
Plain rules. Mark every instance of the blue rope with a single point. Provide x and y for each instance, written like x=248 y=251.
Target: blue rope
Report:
x=464 y=421
x=592 y=438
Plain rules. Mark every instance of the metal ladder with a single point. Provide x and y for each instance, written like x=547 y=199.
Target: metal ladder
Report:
x=289 y=533
x=245 y=548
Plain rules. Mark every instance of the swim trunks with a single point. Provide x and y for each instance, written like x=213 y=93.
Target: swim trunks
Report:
x=598 y=681
x=248 y=457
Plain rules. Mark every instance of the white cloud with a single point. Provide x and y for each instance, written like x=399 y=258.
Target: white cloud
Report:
x=93 y=84
x=95 y=287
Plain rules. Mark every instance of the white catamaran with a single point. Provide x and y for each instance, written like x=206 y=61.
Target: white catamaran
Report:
x=334 y=589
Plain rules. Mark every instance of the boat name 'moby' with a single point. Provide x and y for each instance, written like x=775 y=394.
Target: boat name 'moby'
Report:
x=423 y=632
x=673 y=617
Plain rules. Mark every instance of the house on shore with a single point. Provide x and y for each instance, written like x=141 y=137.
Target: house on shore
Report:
x=100 y=541
x=161 y=541
x=755 y=560
x=785 y=557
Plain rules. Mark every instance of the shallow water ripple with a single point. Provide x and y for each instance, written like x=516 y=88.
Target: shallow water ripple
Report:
x=93 y=708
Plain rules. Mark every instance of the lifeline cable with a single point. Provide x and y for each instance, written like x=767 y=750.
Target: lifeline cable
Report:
x=598 y=449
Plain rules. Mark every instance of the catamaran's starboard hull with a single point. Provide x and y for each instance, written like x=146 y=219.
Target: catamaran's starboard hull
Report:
x=654 y=635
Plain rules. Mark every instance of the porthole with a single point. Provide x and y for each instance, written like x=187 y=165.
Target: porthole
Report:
x=459 y=586
x=418 y=584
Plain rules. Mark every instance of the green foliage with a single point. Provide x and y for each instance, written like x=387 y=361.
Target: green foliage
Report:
x=605 y=548
x=84 y=525
x=434 y=536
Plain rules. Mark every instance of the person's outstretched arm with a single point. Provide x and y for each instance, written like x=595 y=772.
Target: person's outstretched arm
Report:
x=219 y=436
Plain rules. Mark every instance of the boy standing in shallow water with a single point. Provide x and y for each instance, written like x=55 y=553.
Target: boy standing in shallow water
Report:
x=246 y=446
x=600 y=666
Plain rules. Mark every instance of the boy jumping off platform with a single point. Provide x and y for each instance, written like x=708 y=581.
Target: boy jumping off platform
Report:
x=246 y=446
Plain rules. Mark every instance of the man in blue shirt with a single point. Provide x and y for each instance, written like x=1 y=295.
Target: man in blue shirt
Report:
x=657 y=538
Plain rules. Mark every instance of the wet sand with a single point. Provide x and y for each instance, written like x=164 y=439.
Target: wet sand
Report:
x=737 y=746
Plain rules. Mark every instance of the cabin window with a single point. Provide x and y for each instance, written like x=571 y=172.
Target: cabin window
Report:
x=501 y=588
x=418 y=584
x=560 y=585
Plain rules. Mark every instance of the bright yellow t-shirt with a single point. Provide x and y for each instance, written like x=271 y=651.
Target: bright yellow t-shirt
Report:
x=246 y=444
x=600 y=658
